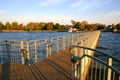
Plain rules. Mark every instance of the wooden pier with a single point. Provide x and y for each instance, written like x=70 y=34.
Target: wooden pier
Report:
x=55 y=67
x=54 y=59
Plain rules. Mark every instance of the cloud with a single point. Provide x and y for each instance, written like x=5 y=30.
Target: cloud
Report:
x=89 y=4
x=112 y=17
x=108 y=18
x=50 y=2
x=113 y=14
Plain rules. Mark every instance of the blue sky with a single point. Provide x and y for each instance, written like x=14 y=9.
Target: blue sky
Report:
x=60 y=11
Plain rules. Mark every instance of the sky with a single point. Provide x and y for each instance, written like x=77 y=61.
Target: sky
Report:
x=60 y=11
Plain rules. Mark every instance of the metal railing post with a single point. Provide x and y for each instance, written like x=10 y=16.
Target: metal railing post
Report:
x=28 y=53
x=73 y=39
x=22 y=54
x=72 y=71
x=109 y=70
x=57 y=43
x=49 y=50
x=78 y=49
x=75 y=67
x=64 y=42
x=1 y=54
x=51 y=40
x=35 y=51
x=68 y=40
x=8 y=50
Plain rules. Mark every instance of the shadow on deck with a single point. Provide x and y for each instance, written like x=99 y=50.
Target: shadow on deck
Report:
x=55 y=67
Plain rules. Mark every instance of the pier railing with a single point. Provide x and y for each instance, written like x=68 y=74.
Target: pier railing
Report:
x=32 y=51
x=104 y=67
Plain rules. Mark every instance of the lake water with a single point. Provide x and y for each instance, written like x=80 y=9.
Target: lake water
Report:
x=30 y=35
x=109 y=43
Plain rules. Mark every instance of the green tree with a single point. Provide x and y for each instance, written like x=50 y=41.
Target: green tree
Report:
x=113 y=26
x=30 y=26
x=1 y=26
x=36 y=26
x=61 y=28
x=84 y=25
x=8 y=26
x=77 y=25
x=50 y=26
x=56 y=26
x=101 y=26
x=118 y=26
x=73 y=22
x=14 y=25
x=41 y=25
x=20 y=26
x=94 y=26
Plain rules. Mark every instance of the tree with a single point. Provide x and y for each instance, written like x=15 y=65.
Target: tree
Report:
x=56 y=26
x=20 y=26
x=73 y=22
x=84 y=25
x=77 y=25
x=1 y=26
x=109 y=28
x=36 y=26
x=94 y=26
x=8 y=26
x=14 y=25
x=113 y=26
x=101 y=26
x=41 y=25
x=30 y=26
x=50 y=26
x=61 y=28
x=118 y=26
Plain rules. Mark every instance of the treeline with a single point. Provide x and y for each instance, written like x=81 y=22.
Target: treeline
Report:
x=85 y=26
x=117 y=26
x=113 y=27
x=32 y=26
x=49 y=26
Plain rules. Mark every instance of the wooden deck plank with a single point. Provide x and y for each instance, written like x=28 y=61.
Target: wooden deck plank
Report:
x=47 y=70
x=29 y=73
x=55 y=67
x=63 y=65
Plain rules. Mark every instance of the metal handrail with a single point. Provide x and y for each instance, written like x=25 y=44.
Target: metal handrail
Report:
x=77 y=61
x=111 y=67
x=96 y=51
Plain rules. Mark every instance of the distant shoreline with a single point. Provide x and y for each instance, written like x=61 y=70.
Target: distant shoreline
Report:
x=32 y=31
